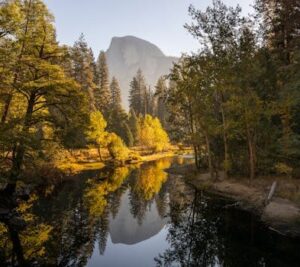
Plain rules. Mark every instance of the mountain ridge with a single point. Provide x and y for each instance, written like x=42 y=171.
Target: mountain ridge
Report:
x=127 y=54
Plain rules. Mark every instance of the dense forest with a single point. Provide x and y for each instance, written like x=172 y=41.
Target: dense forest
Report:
x=172 y=177
x=56 y=98
x=236 y=101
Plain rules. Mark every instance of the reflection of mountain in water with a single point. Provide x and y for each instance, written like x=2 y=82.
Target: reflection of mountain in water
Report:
x=125 y=229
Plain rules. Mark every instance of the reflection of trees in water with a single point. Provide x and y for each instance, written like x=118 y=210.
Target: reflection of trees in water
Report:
x=162 y=201
x=74 y=238
x=96 y=194
x=192 y=236
x=204 y=233
x=64 y=222
x=138 y=206
x=22 y=236
x=145 y=184
x=151 y=178
x=61 y=225
x=103 y=228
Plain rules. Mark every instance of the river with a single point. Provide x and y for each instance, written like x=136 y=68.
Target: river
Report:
x=138 y=216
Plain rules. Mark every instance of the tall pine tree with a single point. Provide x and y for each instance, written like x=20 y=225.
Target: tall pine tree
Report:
x=118 y=117
x=102 y=92
x=116 y=101
x=138 y=95
x=161 y=97
x=83 y=68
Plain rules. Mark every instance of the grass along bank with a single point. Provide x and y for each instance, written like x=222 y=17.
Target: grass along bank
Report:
x=88 y=159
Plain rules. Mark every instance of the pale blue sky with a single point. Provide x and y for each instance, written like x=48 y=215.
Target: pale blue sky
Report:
x=158 y=21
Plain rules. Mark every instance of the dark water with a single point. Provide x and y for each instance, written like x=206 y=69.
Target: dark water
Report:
x=137 y=217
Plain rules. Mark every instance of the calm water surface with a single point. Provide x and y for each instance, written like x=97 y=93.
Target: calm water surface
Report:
x=138 y=216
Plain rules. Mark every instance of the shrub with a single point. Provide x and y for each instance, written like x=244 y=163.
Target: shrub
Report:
x=151 y=134
x=117 y=149
x=284 y=169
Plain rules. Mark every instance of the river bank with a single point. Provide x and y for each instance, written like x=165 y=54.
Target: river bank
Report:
x=281 y=213
x=88 y=159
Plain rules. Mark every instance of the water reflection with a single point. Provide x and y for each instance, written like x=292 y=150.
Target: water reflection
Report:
x=137 y=216
x=207 y=231
x=62 y=225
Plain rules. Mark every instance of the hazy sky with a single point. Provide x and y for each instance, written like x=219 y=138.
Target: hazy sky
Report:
x=158 y=21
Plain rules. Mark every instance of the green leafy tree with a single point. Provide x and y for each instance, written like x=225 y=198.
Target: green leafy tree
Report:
x=215 y=29
x=96 y=132
x=15 y=23
x=42 y=90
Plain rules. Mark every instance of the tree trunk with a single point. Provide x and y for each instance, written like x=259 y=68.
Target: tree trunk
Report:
x=251 y=155
x=209 y=155
x=196 y=156
x=226 y=158
x=17 y=247
x=20 y=148
x=6 y=108
x=251 y=161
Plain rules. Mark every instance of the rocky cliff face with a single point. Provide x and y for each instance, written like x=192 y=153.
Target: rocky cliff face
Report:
x=127 y=54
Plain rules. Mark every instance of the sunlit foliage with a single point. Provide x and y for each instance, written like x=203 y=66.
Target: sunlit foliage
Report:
x=95 y=195
x=117 y=149
x=96 y=132
x=151 y=134
x=151 y=179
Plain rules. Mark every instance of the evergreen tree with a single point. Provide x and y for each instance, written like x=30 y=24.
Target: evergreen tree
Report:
x=102 y=92
x=116 y=102
x=133 y=125
x=138 y=95
x=161 y=96
x=129 y=139
x=150 y=102
x=118 y=116
x=83 y=68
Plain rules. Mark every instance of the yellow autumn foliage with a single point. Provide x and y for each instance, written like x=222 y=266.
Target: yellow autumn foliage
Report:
x=95 y=195
x=151 y=134
x=152 y=178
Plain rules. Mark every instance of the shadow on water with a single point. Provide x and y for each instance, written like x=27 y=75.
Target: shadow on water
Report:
x=137 y=216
